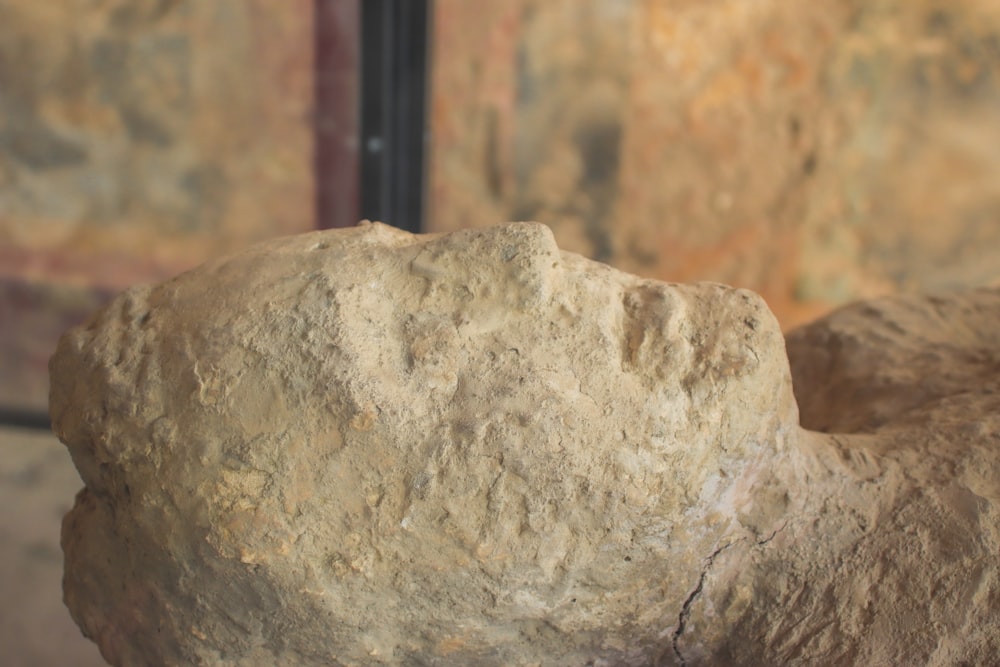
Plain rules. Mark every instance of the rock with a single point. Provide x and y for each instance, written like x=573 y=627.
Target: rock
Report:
x=366 y=447
x=871 y=364
x=891 y=550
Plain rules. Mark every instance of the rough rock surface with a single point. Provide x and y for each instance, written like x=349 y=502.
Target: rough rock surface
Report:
x=364 y=447
x=891 y=550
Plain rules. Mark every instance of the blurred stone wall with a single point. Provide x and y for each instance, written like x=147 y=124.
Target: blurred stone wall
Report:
x=150 y=134
x=814 y=152
x=137 y=139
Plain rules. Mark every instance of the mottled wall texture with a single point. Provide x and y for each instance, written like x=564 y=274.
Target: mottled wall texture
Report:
x=138 y=138
x=178 y=123
x=816 y=152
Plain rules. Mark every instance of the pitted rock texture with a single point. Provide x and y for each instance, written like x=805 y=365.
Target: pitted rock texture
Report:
x=891 y=550
x=365 y=447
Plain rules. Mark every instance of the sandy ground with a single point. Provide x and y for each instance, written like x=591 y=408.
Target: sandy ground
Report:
x=37 y=486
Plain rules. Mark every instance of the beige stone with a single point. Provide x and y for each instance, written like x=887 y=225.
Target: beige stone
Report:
x=891 y=548
x=365 y=447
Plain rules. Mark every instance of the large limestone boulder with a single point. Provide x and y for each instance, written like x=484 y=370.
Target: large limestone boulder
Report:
x=366 y=447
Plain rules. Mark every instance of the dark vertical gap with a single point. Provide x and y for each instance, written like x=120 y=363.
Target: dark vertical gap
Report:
x=374 y=91
x=394 y=94
x=336 y=90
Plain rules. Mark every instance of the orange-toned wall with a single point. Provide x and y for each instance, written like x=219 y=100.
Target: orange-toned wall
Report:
x=137 y=139
x=814 y=152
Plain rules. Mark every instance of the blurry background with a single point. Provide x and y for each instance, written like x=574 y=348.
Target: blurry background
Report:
x=814 y=152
